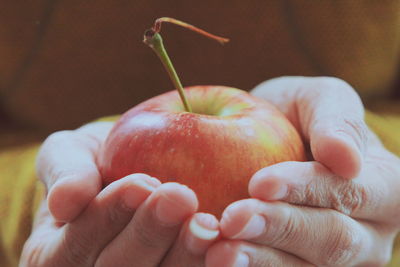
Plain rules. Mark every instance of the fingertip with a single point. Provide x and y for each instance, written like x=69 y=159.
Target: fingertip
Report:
x=174 y=203
x=338 y=153
x=236 y=215
x=69 y=196
x=134 y=189
x=180 y=194
x=267 y=184
x=204 y=220
x=202 y=232
x=142 y=176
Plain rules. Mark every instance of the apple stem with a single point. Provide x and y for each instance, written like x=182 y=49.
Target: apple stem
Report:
x=153 y=39
x=157 y=28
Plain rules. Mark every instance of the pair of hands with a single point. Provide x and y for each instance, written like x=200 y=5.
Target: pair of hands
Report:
x=338 y=209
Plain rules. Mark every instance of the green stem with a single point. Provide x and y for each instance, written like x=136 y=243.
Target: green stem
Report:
x=154 y=40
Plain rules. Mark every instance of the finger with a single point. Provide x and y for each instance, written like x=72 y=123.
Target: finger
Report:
x=323 y=237
x=153 y=229
x=66 y=164
x=196 y=236
x=230 y=253
x=330 y=115
x=79 y=243
x=372 y=196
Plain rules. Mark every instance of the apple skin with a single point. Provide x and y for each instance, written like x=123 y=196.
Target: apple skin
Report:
x=215 y=150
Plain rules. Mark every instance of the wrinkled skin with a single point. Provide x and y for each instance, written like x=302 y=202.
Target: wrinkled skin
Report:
x=337 y=209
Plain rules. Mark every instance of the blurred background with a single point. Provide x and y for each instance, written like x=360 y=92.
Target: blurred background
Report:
x=65 y=63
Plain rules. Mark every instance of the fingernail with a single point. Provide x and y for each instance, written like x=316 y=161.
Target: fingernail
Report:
x=169 y=212
x=203 y=229
x=242 y=260
x=133 y=198
x=253 y=228
x=204 y=226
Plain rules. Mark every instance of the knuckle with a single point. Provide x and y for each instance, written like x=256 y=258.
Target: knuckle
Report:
x=303 y=195
x=147 y=236
x=350 y=197
x=51 y=141
x=344 y=242
x=334 y=87
x=69 y=141
x=287 y=230
x=117 y=214
x=345 y=196
x=58 y=137
x=74 y=137
x=333 y=83
x=309 y=194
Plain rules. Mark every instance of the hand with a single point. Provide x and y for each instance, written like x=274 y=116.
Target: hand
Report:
x=313 y=213
x=135 y=221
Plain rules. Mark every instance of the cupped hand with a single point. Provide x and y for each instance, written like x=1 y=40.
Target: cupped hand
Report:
x=134 y=221
x=338 y=209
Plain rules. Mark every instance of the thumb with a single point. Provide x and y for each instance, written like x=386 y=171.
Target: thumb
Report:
x=328 y=113
x=66 y=164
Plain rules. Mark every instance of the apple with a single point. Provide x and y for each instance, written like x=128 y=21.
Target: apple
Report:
x=210 y=138
x=214 y=150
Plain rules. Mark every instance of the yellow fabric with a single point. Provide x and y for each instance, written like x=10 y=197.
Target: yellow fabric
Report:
x=395 y=262
x=387 y=127
x=19 y=195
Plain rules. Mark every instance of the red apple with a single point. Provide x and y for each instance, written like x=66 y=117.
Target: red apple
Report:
x=214 y=150
x=212 y=140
